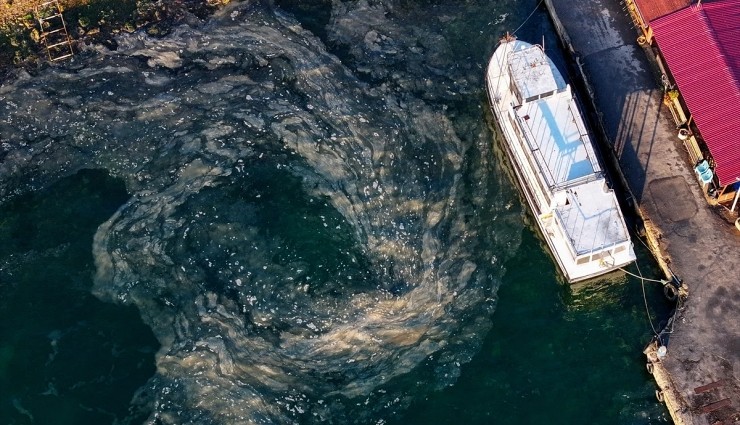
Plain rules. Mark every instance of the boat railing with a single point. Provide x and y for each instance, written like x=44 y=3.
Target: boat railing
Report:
x=534 y=149
x=493 y=100
x=583 y=133
x=588 y=178
x=551 y=182
x=559 y=220
x=501 y=114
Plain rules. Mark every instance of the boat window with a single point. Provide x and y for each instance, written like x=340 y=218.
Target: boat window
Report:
x=582 y=260
x=600 y=255
x=619 y=249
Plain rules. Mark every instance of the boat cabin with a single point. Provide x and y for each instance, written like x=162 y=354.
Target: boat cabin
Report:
x=532 y=75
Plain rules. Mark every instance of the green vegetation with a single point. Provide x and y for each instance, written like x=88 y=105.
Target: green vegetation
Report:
x=93 y=20
x=16 y=40
x=102 y=13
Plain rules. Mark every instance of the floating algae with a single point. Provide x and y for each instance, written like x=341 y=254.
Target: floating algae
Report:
x=300 y=233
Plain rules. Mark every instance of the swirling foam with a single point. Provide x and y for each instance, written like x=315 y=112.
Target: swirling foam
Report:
x=211 y=128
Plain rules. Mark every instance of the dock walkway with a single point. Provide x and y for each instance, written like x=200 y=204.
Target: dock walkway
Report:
x=699 y=378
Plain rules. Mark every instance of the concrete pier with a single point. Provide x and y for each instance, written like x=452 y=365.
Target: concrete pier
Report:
x=699 y=376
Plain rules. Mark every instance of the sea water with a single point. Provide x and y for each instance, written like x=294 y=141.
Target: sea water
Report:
x=296 y=213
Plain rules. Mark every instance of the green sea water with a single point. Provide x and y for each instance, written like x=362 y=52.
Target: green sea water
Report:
x=549 y=354
x=65 y=356
x=555 y=354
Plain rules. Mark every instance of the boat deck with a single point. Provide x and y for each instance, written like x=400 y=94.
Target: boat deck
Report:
x=558 y=139
x=591 y=218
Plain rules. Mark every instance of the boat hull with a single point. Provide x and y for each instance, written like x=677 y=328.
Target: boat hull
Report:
x=525 y=173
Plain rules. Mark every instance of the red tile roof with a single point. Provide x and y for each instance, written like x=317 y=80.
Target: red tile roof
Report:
x=653 y=9
x=701 y=45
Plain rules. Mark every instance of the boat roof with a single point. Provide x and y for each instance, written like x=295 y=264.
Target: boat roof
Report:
x=556 y=133
x=533 y=72
x=591 y=218
x=558 y=139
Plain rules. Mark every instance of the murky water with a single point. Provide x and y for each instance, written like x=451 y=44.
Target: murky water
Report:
x=318 y=223
x=65 y=356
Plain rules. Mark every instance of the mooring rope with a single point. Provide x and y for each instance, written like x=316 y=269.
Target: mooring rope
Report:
x=644 y=298
x=530 y=15
x=672 y=319
x=663 y=281
x=679 y=300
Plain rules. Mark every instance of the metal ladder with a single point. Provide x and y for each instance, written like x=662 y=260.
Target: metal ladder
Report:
x=53 y=31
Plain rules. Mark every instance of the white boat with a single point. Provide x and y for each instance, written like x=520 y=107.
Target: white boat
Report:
x=555 y=162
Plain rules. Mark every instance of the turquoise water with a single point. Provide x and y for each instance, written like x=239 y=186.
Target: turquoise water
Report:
x=316 y=243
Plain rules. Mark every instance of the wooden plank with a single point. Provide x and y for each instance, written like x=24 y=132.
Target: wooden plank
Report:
x=68 y=55
x=49 y=18
x=711 y=407
x=58 y=44
x=713 y=385
x=48 y=33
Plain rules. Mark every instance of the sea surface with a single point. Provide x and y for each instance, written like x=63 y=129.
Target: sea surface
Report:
x=296 y=212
